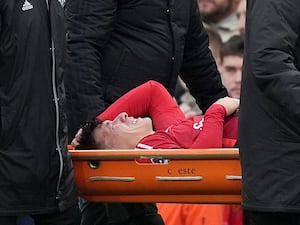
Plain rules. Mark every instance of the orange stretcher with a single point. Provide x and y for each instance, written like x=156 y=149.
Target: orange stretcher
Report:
x=172 y=175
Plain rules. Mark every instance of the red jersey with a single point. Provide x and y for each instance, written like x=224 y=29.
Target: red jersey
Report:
x=200 y=131
x=173 y=130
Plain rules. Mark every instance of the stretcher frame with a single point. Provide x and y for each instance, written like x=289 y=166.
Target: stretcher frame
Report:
x=168 y=175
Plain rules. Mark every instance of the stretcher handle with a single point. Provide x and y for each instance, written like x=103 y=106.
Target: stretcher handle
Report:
x=111 y=178
x=233 y=177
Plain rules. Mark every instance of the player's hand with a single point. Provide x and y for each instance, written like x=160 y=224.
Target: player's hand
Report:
x=76 y=141
x=230 y=104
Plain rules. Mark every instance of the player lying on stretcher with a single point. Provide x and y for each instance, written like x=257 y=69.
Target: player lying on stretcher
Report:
x=128 y=123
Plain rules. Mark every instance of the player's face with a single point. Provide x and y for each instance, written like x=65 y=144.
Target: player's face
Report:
x=119 y=132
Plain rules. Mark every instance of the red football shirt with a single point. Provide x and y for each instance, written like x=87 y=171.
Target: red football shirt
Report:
x=173 y=130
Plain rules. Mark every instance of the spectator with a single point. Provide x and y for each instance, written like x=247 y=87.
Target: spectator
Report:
x=232 y=53
x=35 y=167
x=270 y=113
x=221 y=15
x=114 y=46
x=241 y=14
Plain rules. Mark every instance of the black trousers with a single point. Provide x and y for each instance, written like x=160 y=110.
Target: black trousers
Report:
x=120 y=214
x=271 y=218
x=70 y=216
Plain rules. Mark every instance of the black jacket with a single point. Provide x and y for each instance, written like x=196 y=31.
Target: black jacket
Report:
x=35 y=168
x=270 y=107
x=116 y=45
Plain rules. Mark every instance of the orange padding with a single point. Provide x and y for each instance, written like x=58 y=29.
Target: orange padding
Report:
x=169 y=175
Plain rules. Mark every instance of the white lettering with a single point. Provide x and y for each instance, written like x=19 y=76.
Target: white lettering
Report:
x=199 y=125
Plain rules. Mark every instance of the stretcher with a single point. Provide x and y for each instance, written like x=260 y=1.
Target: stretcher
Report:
x=169 y=175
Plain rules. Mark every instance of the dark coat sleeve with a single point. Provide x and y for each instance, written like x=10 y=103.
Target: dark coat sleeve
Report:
x=199 y=70
x=273 y=37
x=89 y=25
